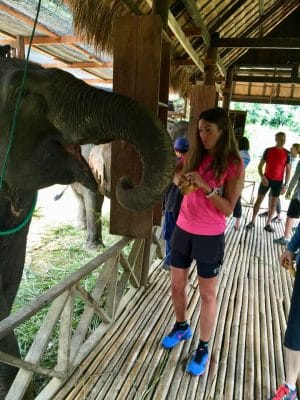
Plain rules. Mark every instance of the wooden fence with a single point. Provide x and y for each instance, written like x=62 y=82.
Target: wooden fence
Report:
x=118 y=275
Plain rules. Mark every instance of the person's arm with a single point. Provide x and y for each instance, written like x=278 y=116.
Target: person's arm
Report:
x=293 y=181
x=287 y=257
x=232 y=190
x=261 y=164
x=294 y=243
x=287 y=174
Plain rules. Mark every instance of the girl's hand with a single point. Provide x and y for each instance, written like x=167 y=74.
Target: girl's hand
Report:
x=286 y=259
x=264 y=181
x=195 y=179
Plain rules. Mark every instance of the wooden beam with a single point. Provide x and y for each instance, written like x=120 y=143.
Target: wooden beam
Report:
x=226 y=15
x=182 y=39
x=258 y=43
x=22 y=17
x=189 y=32
x=95 y=81
x=199 y=23
x=53 y=40
x=185 y=61
x=185 y=43
x=42 y=29
x=269 y=79
x=197 y=19
x=265 y=99
x=79 y=64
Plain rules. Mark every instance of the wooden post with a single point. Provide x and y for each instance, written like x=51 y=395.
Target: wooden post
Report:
x=202 y=98
x=137 y=75
x=20 y=47
x=161 y=7
x=210 y=66
x=227 y=91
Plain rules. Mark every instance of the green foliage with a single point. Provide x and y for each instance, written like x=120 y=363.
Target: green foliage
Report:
x=272 y=115
x=60 y=252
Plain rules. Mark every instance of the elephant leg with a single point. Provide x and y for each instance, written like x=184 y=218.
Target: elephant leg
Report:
x=93 y=208
x=11 y=269
x=81 y=215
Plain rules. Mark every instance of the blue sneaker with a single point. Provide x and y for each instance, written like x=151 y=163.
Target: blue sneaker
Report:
x=197 y=364
x=176 y=336
x=284 y=393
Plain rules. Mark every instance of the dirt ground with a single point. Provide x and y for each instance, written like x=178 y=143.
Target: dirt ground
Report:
x=51 y=213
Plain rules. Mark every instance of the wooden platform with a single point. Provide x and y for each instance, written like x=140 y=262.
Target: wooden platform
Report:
x=246 y=348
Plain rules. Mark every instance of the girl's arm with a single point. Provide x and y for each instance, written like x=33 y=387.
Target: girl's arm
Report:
x=232 y=190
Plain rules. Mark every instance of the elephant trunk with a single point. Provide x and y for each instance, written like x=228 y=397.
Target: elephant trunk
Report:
x=92 y=115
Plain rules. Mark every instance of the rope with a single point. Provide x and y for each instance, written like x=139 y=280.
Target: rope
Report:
x=12 y=130
x=24 y=222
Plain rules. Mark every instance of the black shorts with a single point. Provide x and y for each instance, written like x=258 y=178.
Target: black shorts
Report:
x=274 y=186
x=294 y=209
x=208 y=251
x=292 y=333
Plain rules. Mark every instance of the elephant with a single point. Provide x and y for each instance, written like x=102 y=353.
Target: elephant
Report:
x=89 y=202
x=178 y=129
x=46 y=114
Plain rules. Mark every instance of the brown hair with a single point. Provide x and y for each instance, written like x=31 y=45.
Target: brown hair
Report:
x=297 y=147
x=226 y=147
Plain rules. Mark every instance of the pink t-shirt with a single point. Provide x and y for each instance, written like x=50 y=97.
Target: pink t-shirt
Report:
x=197 y=214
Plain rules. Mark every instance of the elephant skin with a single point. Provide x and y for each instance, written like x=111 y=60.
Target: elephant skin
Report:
x=56 y=114
x=90 y=203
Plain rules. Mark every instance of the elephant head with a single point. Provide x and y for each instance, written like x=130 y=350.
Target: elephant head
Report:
x=57 y=113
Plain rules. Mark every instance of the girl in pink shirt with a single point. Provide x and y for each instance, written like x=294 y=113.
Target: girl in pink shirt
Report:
x=215 y=170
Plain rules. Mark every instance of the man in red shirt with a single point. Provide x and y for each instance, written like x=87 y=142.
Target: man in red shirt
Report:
x=276 y=161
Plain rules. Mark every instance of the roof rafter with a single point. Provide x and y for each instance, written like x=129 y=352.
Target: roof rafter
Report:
x=258 y=43
x=199 y=23
x=183 y=40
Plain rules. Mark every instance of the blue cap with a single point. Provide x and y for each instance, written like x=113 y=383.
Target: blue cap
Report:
x=181 y=144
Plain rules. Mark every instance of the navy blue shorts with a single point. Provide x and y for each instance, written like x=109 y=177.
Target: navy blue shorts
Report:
x=292 y=333
x=208 y=251
x=274 y=186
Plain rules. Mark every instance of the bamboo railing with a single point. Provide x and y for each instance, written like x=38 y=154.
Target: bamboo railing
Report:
x=118 y=278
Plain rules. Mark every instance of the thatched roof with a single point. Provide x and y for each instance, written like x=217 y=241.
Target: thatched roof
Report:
x=191 y=28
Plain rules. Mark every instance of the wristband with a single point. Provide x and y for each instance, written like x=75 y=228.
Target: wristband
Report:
x=211 y=193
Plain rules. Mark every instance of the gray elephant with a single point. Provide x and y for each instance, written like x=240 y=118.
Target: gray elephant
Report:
x=40 y=146
x=89 y=202
x=178 y=129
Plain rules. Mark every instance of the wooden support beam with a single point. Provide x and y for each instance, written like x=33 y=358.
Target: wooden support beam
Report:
x=20 y=47
x=267 y=79
x=41 y=28
x=258 y=43
x=189 y=32
x=185 y=43
x=22 y=17
x=53 y=40
x=227 y=91
x=79 y=64
x=199 y=23
x=182 y=39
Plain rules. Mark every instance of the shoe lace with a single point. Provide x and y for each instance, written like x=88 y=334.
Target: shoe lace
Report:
x=200 y=352
x=282 y=391
x=174 y=330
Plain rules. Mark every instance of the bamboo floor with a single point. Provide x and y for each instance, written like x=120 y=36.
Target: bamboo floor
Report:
x=246 y=347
